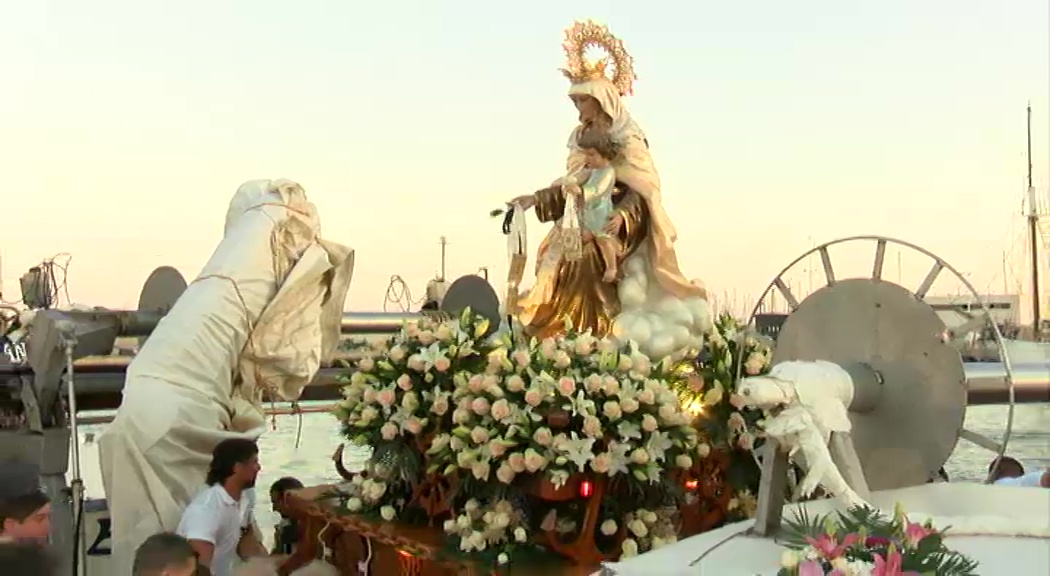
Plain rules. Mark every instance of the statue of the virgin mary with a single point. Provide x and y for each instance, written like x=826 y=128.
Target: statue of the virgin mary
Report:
x=652 y=303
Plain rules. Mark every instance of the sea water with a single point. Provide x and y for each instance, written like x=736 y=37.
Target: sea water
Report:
x=302 y=446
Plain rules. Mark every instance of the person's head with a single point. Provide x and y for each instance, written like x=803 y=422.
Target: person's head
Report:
x=599 y=148
x=590 y=110
x=165 y=554
x=27 y=560
x=234 y=460
x=1005 y=467
x=277 y=490
x=26 y=517
x=25 y=511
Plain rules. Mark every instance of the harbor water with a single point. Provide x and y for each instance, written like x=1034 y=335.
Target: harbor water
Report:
x=302 y=446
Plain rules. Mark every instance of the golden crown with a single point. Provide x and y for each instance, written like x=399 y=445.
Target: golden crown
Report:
x=584 y=35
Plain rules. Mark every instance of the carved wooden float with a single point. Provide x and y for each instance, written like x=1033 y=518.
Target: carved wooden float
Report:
x=359 y=546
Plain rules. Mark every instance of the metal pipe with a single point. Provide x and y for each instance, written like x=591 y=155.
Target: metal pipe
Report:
x=376 y=322
x=99 y=384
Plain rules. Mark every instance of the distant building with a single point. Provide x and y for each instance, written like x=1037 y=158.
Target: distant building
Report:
x=769 y=324
x=957 y=309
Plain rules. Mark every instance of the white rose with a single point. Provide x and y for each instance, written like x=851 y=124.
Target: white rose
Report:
x=629 y=548
x=609 y=527
x=520 y=535
x=388 y=513
x=638 y=528
x=502 y=558
x=354 y=504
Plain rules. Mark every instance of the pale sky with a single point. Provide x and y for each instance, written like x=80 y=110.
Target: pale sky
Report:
x=126 y=125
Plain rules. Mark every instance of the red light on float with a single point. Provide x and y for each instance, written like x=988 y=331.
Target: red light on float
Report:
x=691 y=484
x=586 y=489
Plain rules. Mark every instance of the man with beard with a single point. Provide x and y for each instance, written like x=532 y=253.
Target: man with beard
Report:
x=219 y=522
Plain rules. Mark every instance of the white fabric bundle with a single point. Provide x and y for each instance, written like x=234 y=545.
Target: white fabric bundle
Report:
x=264 y=312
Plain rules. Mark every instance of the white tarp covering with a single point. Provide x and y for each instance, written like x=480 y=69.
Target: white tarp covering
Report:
x=264 y=312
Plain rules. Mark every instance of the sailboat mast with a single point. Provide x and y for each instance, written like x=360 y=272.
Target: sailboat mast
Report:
x=1033 y=235
x=443 y=241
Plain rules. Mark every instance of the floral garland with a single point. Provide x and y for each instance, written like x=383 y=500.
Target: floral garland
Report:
x=502 y=418
x=864 y=542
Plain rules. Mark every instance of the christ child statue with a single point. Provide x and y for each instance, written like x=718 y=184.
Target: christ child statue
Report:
x=594 y=187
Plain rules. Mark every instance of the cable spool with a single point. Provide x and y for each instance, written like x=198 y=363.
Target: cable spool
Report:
x=160 y=292
x=473 y=292
x=910 y=394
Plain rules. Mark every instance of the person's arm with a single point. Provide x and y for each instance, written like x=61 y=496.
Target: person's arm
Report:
x=200 y=526
x=249 y=545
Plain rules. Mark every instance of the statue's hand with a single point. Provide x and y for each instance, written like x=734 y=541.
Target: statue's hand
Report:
x=527 y=201
x=614 y=225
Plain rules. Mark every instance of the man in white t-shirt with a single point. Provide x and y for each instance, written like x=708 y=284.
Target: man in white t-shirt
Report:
x=1007 y=471
x=219 y=522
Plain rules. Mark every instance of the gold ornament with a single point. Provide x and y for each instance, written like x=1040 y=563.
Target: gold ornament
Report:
x=584 y=35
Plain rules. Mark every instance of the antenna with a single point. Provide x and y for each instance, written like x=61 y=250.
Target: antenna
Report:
x=443 y=241
x=1033 y=234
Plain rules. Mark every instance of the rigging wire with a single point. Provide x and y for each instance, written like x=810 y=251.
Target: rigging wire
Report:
x=51 y=268
x=398 y=293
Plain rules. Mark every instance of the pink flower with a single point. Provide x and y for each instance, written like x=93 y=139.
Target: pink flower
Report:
x=441 y=364
x=890 y=565
x=501 y=409
x=533 y=398
x=561 y=359
x=386 y=397
x=476 y=383
x=515 y=383
x=404 y=382
x=566 y=385
x=479 y=435
x=810 y=568
x=480 y=406
x=497 y=449
x=426 y=338
x=914 y=533
x=829 y=547
x=414 y=426
x=521 y=358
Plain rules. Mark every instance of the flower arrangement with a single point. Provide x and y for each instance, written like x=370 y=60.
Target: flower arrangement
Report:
x=400 y=395
x=558 y=414
x=647 y=530
x=729 y=430
x=562 y=407
x=528 y=432
x=865 y=542
x=501 y=527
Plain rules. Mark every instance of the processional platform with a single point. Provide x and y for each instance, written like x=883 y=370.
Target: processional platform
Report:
x=357 y=545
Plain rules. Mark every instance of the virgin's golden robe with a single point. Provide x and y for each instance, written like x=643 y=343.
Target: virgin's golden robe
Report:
x=579 y=295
